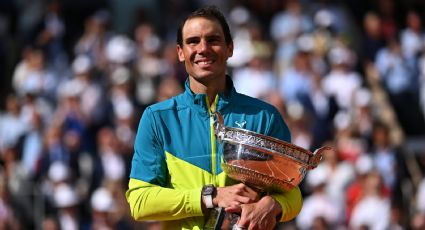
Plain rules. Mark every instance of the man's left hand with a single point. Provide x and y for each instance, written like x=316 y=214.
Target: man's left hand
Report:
x=258 y=215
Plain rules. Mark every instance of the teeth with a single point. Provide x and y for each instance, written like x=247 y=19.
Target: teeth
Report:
x=205 y=62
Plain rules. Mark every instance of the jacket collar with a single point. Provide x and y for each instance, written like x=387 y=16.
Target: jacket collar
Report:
x=199 y=101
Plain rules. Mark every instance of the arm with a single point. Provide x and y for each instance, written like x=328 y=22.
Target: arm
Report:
x=152 y=202
x=148 y=195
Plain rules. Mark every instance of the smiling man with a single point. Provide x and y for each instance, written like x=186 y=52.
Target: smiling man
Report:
x=176 y=175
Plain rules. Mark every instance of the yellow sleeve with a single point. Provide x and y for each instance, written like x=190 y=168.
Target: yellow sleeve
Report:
x=291 y=202
x=152 y=202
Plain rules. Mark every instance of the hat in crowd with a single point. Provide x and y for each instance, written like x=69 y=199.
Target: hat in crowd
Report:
x=72 y=88
x=58 y=171
x=342 y=120
x=340 y=55
x=305 y=43
x=120 y=75
x=363 y=164
x=81 y=64
x=101 y=16
x=317 y=177
x=152 y=43
x=65 y=196
x=323 y=18
x=239 y=15
x=120 y=49
x=363 y=97
x=102 y=200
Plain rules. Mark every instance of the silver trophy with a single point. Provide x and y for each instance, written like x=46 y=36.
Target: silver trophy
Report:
x=262 y=162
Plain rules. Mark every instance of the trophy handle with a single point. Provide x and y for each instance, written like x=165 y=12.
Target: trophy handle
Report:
x=318 y=156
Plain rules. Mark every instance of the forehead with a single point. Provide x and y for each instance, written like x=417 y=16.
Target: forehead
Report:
x=199 y=26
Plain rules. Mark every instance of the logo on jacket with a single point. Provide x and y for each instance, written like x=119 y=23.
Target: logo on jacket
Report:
x=240 y=124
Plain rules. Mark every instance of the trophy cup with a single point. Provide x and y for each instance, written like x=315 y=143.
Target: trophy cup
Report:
x=262 y=162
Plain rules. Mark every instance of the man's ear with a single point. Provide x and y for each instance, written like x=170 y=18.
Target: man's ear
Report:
x=229 y=49
x=180 y=53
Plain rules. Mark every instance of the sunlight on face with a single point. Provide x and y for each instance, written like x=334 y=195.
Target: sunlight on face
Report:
x=204 y=50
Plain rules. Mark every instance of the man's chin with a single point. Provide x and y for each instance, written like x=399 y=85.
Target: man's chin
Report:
x=204 y=75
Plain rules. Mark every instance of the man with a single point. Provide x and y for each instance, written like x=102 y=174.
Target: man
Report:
x=175 y=161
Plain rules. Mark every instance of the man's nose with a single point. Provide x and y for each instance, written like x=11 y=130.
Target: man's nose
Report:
x=203 y=46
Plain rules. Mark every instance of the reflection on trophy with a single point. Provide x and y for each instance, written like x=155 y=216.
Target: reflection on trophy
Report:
x=264 y=163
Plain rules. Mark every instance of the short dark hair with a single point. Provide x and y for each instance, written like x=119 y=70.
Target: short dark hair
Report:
x=210 y=12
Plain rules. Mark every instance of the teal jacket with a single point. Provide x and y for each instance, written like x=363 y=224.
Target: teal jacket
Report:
x=175 y=154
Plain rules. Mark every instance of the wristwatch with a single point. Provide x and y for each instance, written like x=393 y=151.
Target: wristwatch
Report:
x=208 y=191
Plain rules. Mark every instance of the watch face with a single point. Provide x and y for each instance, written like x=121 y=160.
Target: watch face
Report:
x=208 y=190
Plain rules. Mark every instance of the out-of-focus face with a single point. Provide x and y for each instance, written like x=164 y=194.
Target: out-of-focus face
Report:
x=204 y=50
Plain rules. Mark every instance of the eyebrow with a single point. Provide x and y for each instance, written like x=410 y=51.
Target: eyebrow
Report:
x=216 y=36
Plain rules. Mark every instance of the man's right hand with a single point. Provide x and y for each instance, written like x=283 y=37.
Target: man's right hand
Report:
x=235 y=195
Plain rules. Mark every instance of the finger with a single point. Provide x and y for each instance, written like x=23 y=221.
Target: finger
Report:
x=246 y=199
x=243 y=222
x=234 y=209
x=251 y=193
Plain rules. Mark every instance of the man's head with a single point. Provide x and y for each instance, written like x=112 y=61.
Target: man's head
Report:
x=212 y=13
x=204 y=44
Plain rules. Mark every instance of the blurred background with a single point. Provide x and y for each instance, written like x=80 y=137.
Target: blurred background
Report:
x=76 y=75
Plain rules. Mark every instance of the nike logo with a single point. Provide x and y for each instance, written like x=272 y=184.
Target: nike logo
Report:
x=240 y=124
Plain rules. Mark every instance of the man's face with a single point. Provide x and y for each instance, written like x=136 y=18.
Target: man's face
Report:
x=204 y=49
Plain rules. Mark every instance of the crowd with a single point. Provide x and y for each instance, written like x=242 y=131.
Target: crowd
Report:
x=352 y=77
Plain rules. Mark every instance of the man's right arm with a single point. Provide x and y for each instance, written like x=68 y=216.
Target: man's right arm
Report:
x=148 y=195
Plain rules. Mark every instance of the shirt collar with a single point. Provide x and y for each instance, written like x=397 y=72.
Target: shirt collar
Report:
x=199 y=101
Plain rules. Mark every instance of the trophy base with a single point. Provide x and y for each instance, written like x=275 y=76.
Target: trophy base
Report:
x=218 y=219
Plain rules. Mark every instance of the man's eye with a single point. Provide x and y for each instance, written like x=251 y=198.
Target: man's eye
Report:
x=191 y=42
x=213 y=39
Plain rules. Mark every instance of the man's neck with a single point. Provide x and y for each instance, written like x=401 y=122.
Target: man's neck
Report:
x=210 y=88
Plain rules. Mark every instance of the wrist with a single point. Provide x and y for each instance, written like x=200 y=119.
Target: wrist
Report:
x=207 y=196
x=275 y=206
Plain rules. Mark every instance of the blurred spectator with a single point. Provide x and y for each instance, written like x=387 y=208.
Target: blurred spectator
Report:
x=387 y=11
x=362 y=113
x=111 y=161
x=168 y=88
x=384 y=154
x=412 y=37
x=50 y=36
x=242 y=21
x=7 y=217
x=341 y=82
x=67 y=202
x=12 y=127
x=33 y=76
x=400 y=80
x=296 y=82
x=32 y=145
x=94 y=39
x=299 y=122
x=339 y=174
x=102 y=206
x=19 y=187
x=418 y=220
x=254 y=80
x=285 y=27
x=149 y=66
x=373 y=209
x=372 y=39
x=319 y=205
x=355 y=191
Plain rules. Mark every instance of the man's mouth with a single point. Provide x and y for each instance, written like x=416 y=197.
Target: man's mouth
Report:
x=204 y=63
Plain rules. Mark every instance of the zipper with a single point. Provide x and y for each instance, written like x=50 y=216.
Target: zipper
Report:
x=211 y=110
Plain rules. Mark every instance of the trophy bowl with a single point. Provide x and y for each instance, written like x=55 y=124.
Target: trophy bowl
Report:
x=261 y=161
